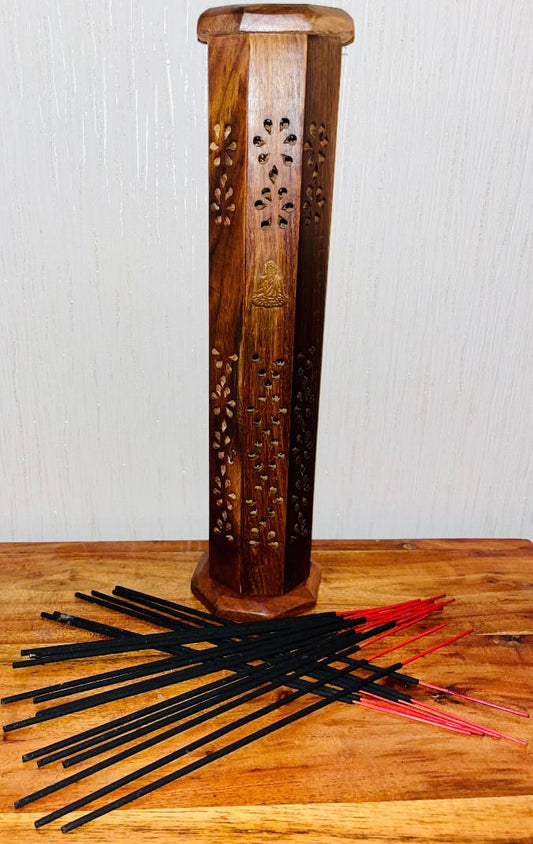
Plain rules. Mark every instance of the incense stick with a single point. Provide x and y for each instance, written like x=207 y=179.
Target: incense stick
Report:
x=274 y=679
x=159 y=641
x=171 y=757
x=202 y=658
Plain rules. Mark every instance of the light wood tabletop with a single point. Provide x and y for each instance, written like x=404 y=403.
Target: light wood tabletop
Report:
x=341 y=774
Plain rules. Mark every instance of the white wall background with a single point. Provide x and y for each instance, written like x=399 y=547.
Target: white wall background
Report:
x=427 y=402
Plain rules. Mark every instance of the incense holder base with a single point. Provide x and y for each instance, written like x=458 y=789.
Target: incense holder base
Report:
x=225 y=602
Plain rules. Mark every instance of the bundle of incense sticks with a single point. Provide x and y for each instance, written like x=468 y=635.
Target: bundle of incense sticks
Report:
x=221 y=666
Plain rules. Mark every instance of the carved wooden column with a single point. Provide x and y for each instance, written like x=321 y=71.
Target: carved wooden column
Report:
x=273 y=97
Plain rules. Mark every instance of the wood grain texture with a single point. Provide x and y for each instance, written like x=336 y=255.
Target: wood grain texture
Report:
x=321 y=106
x=345 y=774
x=272 y=114
x=426 y=410
x=272 y=17
x=228 y=87
x=277 y=94
x=227 y=603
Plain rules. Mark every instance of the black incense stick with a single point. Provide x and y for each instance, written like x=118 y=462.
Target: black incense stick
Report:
x=166 y=679
x=274 y=678
x=252 y=676
x=162 y=641
x=213 y=736
x=225 y=686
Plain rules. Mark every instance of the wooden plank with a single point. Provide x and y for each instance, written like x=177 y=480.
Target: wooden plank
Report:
x=504 y=820
x=341 y=773
x=320 y=129
x=275 y=128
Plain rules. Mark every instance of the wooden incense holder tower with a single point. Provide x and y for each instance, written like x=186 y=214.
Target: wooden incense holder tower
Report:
x=273 y=98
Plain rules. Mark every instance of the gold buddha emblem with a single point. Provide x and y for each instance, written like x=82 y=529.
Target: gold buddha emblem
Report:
x=269 y=289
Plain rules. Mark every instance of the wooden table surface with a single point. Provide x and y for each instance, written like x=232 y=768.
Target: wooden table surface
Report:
x=342 y=774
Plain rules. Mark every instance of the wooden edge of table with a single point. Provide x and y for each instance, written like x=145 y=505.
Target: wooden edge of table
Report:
x=185 y=545
x=458 y=821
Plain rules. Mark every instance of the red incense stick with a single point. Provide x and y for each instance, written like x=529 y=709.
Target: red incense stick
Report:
x=439 y=717
x=401 y=644
x=510 y=709
x=374 y=611
x=390 y=708
x=440 y=645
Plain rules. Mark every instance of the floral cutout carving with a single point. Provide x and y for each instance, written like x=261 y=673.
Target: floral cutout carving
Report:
x=277 y=198
x=315 y=148
x=269 y=141
x=223 y=407
x=313 y=203
x=223 y=205
x=269 y=291
x=275 y=145
x=223 y=148
x=266 y=418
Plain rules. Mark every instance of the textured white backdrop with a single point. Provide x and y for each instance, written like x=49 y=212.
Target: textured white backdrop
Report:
x=427 y=402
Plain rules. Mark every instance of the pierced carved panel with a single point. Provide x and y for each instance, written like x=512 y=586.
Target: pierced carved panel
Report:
x=313 y=204
x=315 y=151
x=275 y=143
x=223 y=145
x=222 y=205
x=222 y=149
x=315 y=146
x=223 y=408
x=267 y=420
x=303 y=444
